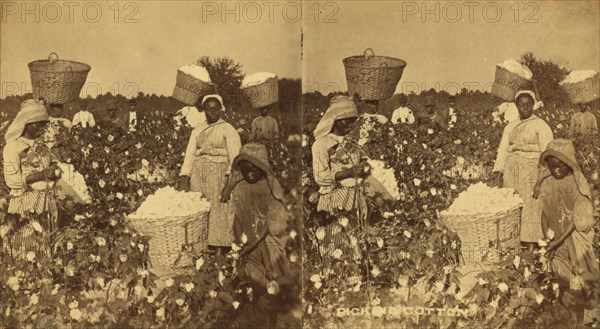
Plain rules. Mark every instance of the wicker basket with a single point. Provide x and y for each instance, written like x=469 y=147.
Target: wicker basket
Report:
x=583 y=91
x=373 y=77
x=189 y=89
x=169 y=235
x=507 y=84
x=262 y=94
x=57 y=81
x=477 y=231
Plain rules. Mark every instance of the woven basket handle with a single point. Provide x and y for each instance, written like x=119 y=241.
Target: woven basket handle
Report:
x=51 y=59
x=367 y=55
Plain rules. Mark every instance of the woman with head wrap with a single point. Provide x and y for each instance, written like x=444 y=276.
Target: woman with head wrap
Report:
x=261 y=218
x=214 y=147
x=516 y=166
x=568 y=220
x=339 y=164
x=30 y=172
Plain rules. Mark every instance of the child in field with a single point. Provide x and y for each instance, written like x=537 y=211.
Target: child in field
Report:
x=261 y=218
x=567 y=220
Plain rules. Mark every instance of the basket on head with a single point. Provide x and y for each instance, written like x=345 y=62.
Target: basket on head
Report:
x=262 y=94
x=507 y=84
x=57 y=81
x=169 y=235
x=373 y=77
x=476 y=232
x=583 y=91
x=189 y=89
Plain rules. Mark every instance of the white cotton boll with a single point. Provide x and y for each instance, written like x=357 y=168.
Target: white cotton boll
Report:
x=578 y=76
x=320 y=233
x=256 y=78
x=480 y=198
x=515 y=67
x=386 y=177
x=169 y=202
x=315 y=278
x=196 y=71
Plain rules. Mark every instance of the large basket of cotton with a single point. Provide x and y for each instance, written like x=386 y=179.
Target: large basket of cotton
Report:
x=511 y=76
x=261 y=89
x=487 y=221
x=174 y=220
x=582 y=86
x=192 y=82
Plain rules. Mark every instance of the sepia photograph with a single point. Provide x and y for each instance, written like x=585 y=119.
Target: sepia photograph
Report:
x=300 y=164
x=451 y=164
x=151 y=165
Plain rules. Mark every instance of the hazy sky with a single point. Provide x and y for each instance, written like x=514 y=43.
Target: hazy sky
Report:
x=168 y=34
x=465 y=52
x=461 y=49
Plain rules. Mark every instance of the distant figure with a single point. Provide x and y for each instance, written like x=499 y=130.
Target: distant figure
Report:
x=264 y=127
x=84 y=118
x=113 y=120
x=403 y=114
x=368 y=120
x=452 y=112
x=583 y=122
x=132 y=117
x=244 y=131
x=56 y=113
x=431 y=116
x=562 y=123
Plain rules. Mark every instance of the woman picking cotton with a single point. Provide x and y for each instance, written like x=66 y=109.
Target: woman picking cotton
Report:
x=261 y=218
x=31 y=173
x=523 y=141
x=339 y=166
x=567 y=220
x=214 y=147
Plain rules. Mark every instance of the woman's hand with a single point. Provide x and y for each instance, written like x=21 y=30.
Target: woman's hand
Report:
x=53 y=172
x=225 y=195
x=552 y=246
x=496 y=179
x=363 y=169
x=184 y=183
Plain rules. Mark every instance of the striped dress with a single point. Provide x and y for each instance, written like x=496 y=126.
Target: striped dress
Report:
x=216 y=146
x=22 y=157
x=522 y=144
x=330 y=156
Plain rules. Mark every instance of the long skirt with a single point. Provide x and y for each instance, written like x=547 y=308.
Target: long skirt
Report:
x=521 y=174
x=209 y=178
x=23 y=239
x=336 y=235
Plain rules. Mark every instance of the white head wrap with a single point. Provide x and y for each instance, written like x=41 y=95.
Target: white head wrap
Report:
x=528 y=92
x=31 y=111
x=218 y=97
